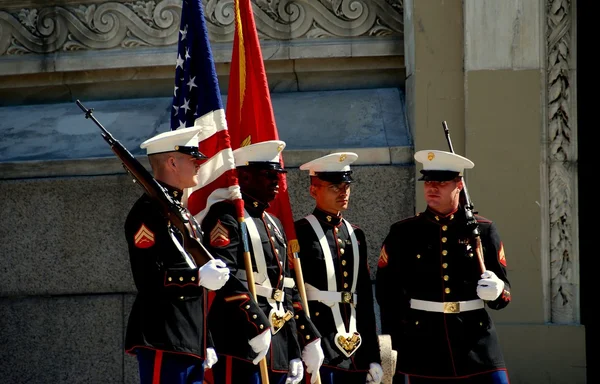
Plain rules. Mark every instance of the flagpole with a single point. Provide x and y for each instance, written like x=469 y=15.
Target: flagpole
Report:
x=264 y=372
x=301 y=288
x=249 y=100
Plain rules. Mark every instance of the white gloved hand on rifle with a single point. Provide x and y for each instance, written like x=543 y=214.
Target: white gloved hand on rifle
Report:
x=375 y=374
x=211 y=358
x=295 y=372
x=260 y=344
x=313 y=357
x=214 y=274
x=490 y=287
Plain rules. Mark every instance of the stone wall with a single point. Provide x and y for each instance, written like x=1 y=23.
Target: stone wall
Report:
x=66 y=287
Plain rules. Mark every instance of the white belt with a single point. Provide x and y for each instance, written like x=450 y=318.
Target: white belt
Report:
x=330 y=297
x=268 y=292
x=446 y=307
x=288 y=282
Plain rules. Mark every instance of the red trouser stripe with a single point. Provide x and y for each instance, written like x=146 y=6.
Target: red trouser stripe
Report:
x=157 y=363
x=228 y=366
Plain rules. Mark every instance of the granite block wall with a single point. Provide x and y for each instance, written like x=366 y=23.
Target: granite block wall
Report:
x=65 y=284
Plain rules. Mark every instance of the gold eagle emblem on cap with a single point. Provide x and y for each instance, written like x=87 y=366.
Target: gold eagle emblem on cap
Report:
x=280 y=148
x=430 y=156
x=342 y=157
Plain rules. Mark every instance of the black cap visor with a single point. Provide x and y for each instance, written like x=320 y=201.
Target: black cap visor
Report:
x=438 y=175
x=335 y=177
x=271 y=166
x=192 y=151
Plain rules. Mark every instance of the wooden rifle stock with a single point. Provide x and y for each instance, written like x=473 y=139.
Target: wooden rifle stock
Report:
x=303 y=297
x=472 y=224
x=262 y=364
x=171 y=209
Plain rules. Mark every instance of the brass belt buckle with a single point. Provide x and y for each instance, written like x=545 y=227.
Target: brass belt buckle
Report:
x=452 y=307
x=277 y=295
x=346 y=297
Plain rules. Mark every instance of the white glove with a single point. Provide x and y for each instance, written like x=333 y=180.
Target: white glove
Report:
x=260 y=344
x=490 y=286
x=375 y=374
x=211 y=358
x=214 y=274
x=313 y=356
x=295 y=373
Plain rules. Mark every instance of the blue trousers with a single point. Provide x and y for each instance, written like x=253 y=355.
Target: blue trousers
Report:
x=234 y=371
x=496 y=377
x=338 y=376
x=161 y=367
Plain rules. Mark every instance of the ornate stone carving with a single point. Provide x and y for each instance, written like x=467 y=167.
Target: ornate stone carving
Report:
x=74 y=27
x=562 y=164
x=156 y=23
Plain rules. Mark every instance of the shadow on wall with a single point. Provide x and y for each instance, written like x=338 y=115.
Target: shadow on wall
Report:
x=367 y=118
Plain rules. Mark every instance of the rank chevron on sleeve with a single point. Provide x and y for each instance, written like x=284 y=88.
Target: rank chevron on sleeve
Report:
x=144 y=238
x=219 y=236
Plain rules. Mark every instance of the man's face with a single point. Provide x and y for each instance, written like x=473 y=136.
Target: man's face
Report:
x=262 y=184
x=186 y=167
x=331 y=198
x=443 y=196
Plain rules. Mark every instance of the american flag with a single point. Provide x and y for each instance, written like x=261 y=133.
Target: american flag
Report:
x=197 y=102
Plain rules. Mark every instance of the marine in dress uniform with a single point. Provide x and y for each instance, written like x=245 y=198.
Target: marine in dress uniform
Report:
x=431 y=290
x=333 y=256
x=235 y=318
x=166 y=327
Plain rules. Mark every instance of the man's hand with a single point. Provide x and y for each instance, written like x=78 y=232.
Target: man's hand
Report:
x=214 y=274
x=375 y=374
x=295 y=373
x=313 y=356
x=211 y=358
x=490 y=286
x=260 y=344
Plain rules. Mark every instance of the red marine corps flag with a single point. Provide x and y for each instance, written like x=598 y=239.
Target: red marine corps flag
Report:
x=249 y=111
x=251 y=120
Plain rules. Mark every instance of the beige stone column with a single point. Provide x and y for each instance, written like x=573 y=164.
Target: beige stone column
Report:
x=504 y=123
x=433 y=42
x=502 y=74
x=519 y=133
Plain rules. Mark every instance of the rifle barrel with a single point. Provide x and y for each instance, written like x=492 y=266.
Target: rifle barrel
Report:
x=88 y=115
x=447 y=133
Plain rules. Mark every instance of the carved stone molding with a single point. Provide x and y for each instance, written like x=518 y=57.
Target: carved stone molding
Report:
x=562 y=163
x=106 y=25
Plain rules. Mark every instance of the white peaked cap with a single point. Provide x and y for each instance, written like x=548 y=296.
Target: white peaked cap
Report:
x=262 y=152
x=334 y=162
x=434 y=160
x=171 y=141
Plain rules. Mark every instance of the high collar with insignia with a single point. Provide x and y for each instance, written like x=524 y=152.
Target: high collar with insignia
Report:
x=175 y=193
x=438 y=217
x=253 y=206
x=327 y=218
